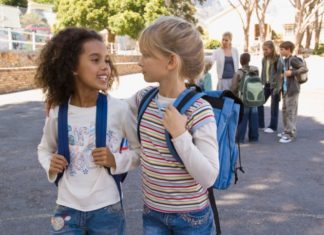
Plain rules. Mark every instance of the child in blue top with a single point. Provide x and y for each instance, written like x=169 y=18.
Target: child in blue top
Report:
x=205 y=83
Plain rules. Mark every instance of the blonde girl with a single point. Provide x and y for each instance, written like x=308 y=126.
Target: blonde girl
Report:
x=175 y=194
x=227 y=62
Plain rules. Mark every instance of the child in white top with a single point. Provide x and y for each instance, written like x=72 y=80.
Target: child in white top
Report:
x=74 y=67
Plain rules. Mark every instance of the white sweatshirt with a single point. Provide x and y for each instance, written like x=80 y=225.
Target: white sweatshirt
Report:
x=86 y=186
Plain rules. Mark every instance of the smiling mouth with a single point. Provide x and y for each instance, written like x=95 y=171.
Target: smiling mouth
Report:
x=103 y=78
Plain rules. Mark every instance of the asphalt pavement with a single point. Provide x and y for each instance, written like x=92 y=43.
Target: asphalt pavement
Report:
x=281 y=192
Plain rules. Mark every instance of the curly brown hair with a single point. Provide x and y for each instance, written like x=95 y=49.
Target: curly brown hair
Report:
x=59 y=58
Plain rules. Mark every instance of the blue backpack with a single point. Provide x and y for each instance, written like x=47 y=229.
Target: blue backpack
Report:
x=228 y=111
x=101 y=128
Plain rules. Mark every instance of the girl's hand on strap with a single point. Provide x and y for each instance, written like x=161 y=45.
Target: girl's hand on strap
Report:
x=57 y=165
x=174 y=122
x=288 y=73
x=103 y=157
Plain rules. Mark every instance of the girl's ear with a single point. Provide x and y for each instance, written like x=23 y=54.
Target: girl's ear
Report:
x=173 y=61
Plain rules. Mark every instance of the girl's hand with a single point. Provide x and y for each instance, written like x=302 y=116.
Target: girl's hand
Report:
x=174 y=122
x=103 y=157
x=288 y=73
x=57 y=165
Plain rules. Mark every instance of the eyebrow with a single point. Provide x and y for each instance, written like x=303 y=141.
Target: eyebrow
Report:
x=99 y=55
x=94 y=54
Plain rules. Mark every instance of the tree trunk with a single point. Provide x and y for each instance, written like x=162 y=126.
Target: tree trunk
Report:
x=261 y=8
x=246 y=38
x=309 y=32
x=298 y=40
x=262 y=33
x=111 y=37
x=298 y=27
x=317 y=29
x=247 y=31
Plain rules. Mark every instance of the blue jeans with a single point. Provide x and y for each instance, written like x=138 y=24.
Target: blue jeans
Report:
x=274 y=108
x=105 y=221
x=190 y=223
x=251 y=117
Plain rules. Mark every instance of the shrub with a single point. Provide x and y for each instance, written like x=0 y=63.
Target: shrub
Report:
x=319 y=50
x=212 y=44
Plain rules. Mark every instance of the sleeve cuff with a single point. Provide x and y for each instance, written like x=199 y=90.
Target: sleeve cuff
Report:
x=51 y=178
x=119 y=162
x=181 y=142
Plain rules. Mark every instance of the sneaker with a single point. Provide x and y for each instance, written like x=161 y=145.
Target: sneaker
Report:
x=281 y=134
x=285 y=139
x=268 y=130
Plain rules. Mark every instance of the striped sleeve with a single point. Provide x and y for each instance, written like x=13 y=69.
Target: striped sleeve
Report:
x=140 y=94
x=200 y=113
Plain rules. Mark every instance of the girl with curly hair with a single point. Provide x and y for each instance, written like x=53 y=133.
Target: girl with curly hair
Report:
x=74 y=67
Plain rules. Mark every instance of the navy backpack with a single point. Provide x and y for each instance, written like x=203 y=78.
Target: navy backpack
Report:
x=228 y=111
x=101 y=128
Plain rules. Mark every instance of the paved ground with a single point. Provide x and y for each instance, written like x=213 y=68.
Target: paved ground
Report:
x=281 y=192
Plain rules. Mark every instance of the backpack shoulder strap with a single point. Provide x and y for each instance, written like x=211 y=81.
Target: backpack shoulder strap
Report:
x=244 y=73
x=101 y=130
x=182 y=103
x=63 y=139
x=101 y=120
x=145 y=101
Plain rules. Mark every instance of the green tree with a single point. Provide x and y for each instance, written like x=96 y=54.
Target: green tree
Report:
x=126 y=23
x=183 y=8
x=127 y=17
x=82 y=13
x=45 y=1
x=133 y=15
x=154 y=9
x=15 y=3
x=120 y=17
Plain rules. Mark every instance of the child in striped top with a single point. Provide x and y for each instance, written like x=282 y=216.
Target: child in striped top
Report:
x=175 y=194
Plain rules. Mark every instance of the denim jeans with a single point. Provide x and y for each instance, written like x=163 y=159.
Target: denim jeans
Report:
x=274 y=108
x=251 y=117
x=190 y=223
x=105 y=221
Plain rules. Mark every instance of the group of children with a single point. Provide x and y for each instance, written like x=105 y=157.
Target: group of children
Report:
x=278 y=76
x=75 y=70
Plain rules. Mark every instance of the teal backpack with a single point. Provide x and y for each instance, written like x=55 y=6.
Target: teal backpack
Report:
x=251 y=89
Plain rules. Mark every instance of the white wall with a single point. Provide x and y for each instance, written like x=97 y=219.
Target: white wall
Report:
x=9 y=17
